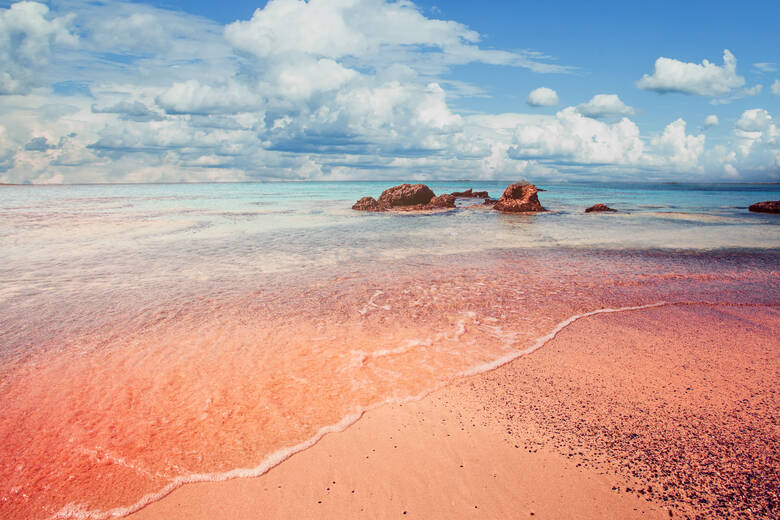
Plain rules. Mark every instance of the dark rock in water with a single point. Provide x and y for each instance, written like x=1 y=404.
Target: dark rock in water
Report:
x=468 y=194
x=489 y=201
x=406 y=195
x=599 y=207
x=519 y=198
x=368 y=204
x=442 y=201
x=769 y=206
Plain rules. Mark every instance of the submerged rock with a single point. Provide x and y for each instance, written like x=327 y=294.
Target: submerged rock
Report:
x=470 y=194
x=519 y=198
x=599 y=208
x=406 y=195
x=769 y=206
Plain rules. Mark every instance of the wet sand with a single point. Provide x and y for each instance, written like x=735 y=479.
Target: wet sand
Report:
x=669 y=411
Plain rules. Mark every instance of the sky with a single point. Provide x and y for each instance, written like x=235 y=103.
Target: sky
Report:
x=95 y=91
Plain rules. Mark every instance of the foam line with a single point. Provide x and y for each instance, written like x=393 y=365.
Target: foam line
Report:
x=542 y=341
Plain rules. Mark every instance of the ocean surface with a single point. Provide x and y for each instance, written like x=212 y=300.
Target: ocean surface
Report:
x=153 y=335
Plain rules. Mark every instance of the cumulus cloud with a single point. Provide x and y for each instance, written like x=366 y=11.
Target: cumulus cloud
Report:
x=754 y=120
x=758 y=143
x=776 y=87
x=542 y=97
x=339 y=89
x=192 y=97
x=704 y=79
x=711 y=121
x=605 y=105
x=570 y=136
x=28 y=34
x=676 y=148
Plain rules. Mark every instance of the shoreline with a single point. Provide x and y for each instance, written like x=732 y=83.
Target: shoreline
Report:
x=416 y=328
x=240 y=495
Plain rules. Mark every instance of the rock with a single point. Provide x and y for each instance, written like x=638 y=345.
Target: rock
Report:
x=769 y=206
x=469 y=194
x=489 y=201
x=442 y=201
x=368 y=204
x=406 y=195
x=599 y=207
x=518 y=198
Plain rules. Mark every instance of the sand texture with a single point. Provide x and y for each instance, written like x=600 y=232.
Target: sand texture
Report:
x=669 y=411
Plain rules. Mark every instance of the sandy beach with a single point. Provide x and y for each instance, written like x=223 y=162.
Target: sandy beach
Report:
x=656 y=413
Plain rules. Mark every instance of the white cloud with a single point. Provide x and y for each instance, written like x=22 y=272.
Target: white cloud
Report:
x=705 y=79
x=765 y=67
x=739 y=94
x=754 y=120
x=711 y=121
x=192 y=97
x=302 y=78
x=374 y=33
x=542 y=97
x=776 y=87
x=134 y=110
x=27 y=37
x=605 y=105
x=139 y=32
x=758 y=143
x=341 y=89
x=730 y=172
x=678 y=149
x=570 y=136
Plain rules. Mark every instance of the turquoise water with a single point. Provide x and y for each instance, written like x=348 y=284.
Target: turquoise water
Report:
x=119 y=243
x=53 y=234
x=282 y=226
x=86 y=243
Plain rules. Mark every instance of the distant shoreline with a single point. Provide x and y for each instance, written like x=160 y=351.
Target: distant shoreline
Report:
x=390 y=182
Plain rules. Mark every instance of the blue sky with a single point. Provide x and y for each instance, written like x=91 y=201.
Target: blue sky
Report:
x=110 y=91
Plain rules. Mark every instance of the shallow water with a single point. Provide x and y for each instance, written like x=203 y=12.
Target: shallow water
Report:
x=157 y=334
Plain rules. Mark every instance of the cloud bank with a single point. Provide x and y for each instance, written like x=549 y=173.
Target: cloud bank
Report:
x=110 y=91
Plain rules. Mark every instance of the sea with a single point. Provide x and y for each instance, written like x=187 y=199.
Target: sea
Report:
x=153 y=335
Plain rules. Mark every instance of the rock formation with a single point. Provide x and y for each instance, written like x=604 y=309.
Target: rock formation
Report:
x=519 y=198
x=769 y=206
x=470 y=194
x=368 y=204
x=406 y=195
x=442 y=201
x=598 y=208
